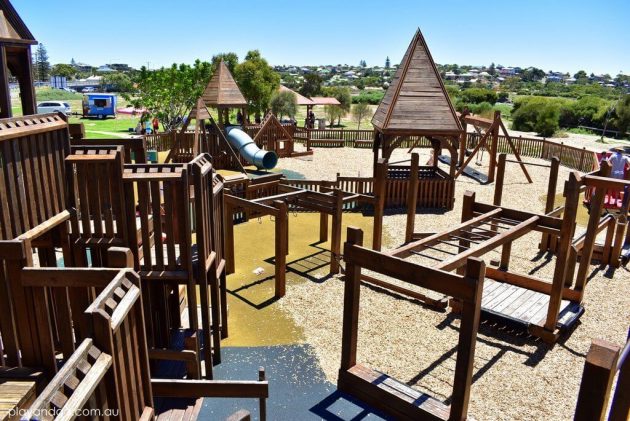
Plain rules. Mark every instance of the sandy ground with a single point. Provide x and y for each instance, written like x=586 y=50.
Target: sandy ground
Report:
x=515 y=376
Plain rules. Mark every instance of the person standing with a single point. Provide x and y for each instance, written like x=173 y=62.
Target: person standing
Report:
x=156 y=125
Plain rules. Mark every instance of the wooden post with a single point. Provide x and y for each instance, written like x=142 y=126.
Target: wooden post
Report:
x=599 y=371
x=597 y=203
x=323 y=227
x=380 y=185
x=551 y=197
x=498 y=186
x=351 y=305
x=412 y=196
x=620 y=408
x=281 y=248
x=494 y=147
x=572 y=194
x=471 y=313
x=335 y=246
x=25 y=79
x=119 y=257
x=5 y=97
x=229 y=238
x=463 y=139
x=621 y=227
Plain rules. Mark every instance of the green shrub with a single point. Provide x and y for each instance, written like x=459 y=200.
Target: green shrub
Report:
x=538 y=114
x=50 y=94
x=478 y=95
x=369 y=97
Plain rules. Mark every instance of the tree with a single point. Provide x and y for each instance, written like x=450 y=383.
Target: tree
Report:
x=581 y=77
x=257 y=81
x=230 y=60
x=359 y=112
x=492 y=70
x=341 y=94
x=622 y=112
x=117 y=82
x=387 y=63
x=284 y=103
x=169 y=93
x=478 y=95
x=42 y=65
x=532 y=74
x=363 y=64
x=333 y=112
x=64 y=70
x=72 y=62
x=312 y=85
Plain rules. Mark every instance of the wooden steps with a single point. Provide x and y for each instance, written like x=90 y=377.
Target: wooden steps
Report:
x=377 y=388
x=524 y=306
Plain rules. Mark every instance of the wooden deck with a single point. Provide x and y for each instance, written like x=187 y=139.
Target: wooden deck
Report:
x=524 y=306
x=14 y=396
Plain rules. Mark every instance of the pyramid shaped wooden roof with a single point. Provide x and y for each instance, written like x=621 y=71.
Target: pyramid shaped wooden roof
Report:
x=270 y=121
x=12 y=27
x=222 y=90
x=199 y=111
x=416 y=102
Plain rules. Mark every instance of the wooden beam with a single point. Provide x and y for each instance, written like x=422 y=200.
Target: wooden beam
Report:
x=168 y=388
x=406 y=250
x=482 y=248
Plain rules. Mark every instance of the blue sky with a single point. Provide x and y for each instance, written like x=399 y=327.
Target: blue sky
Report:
x=553 y=35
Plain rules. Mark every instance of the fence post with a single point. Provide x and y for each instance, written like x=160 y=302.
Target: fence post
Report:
x=498 y=185
x=412 y=197
x=380 y=186
x=582 y=159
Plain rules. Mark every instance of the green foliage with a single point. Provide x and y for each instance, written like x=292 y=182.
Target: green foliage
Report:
x=622 y=113
x=342 y=94
x=503 y=96
x=360 y=84
x=64 y=70
x=369 y=97
x=170 y=92
x=537 y=114
x=230 y=60
x=359 y=112
x=478 y=95
x=117 y=82
x=586 y=111
x=50 y=94
x=284 y=103
x=453 y=92
x=532 y=74
x=312 y=85
x=41 y=63
x=257 y=81
x=333 y=112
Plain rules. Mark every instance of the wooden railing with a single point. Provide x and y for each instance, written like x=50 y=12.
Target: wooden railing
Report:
x=435 y=189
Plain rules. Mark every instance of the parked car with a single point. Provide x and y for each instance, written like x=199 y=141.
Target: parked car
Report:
x=53 y=106
x=69 y=90
x=88 y=89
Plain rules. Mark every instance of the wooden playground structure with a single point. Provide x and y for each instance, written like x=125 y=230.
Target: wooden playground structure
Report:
x=113 y=269
x=102 y=213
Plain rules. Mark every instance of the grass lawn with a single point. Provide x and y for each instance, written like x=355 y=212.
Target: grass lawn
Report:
x=107 y=129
